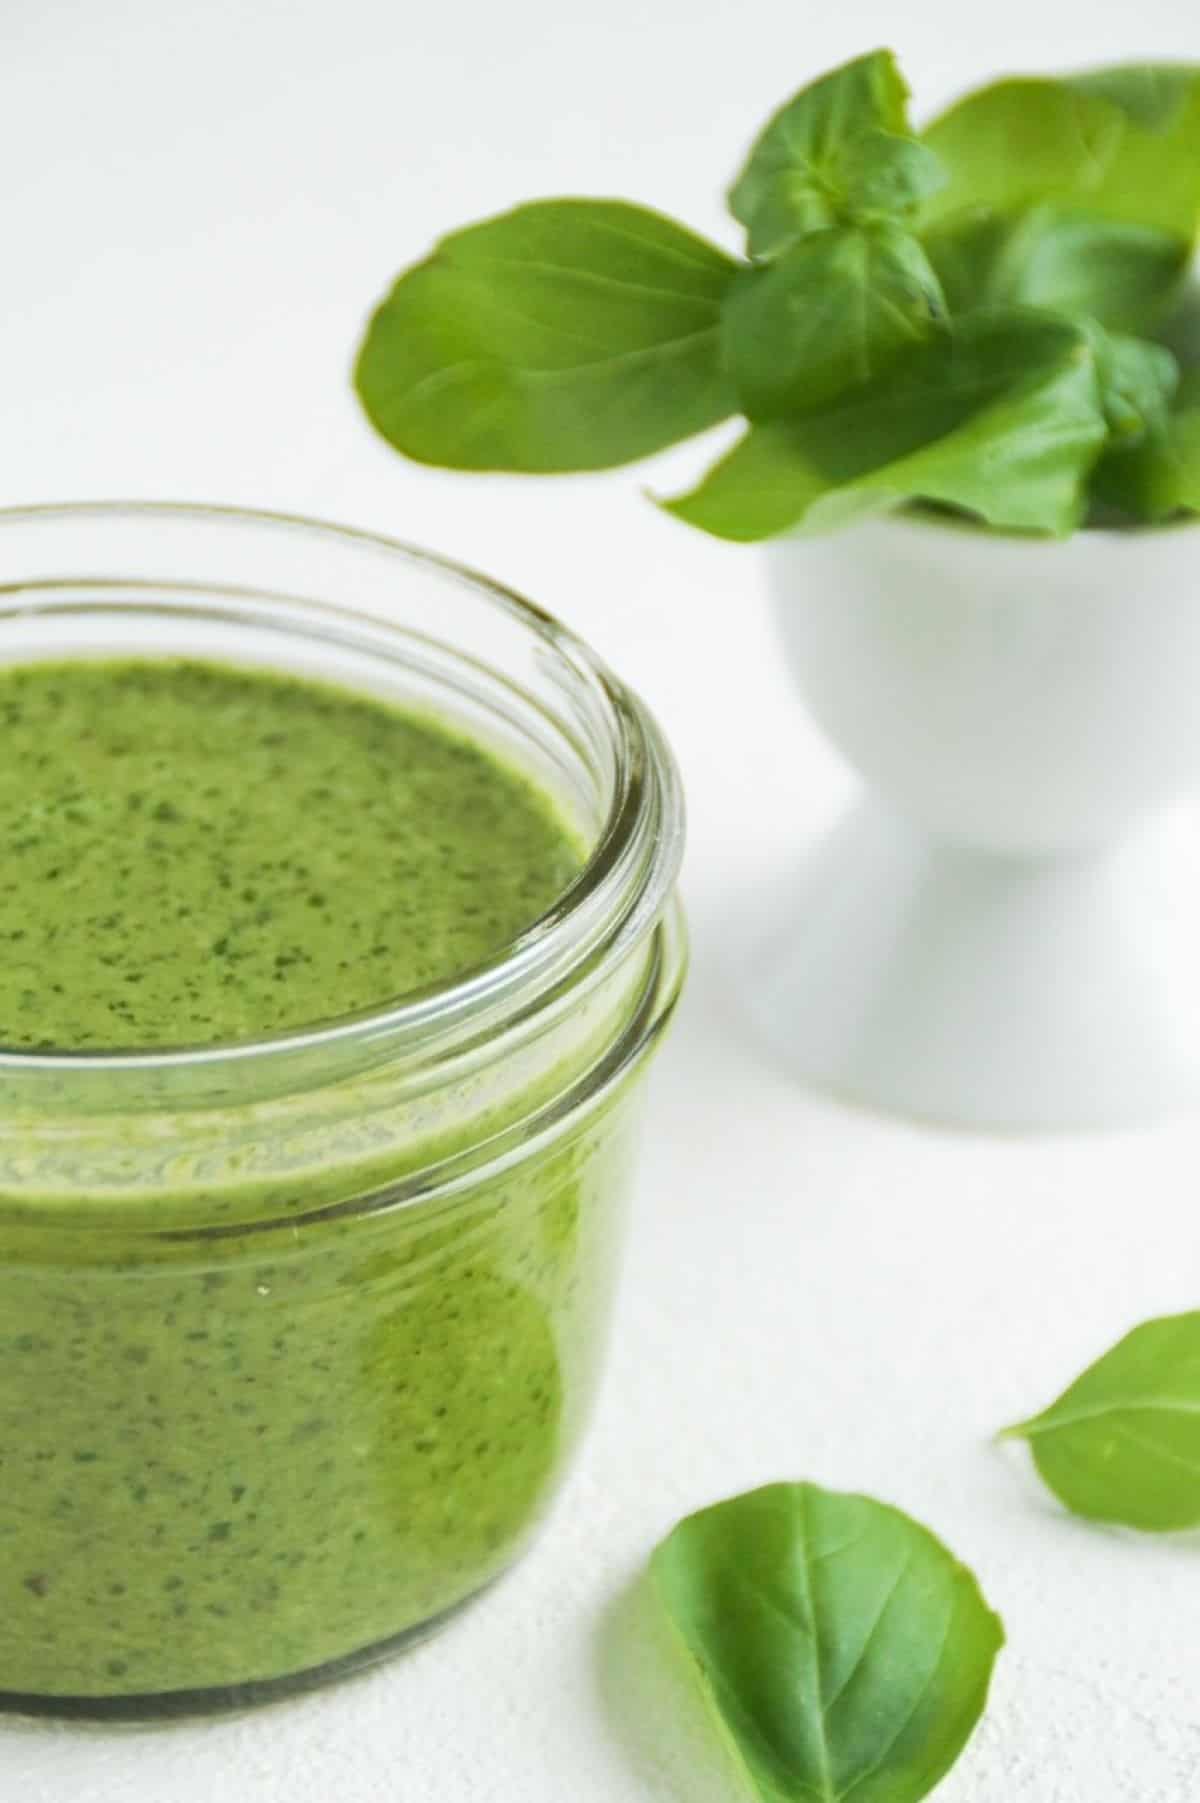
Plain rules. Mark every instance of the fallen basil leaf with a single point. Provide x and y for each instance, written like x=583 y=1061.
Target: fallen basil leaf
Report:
x=844 y=1651
x=1122 y=1444
x=566 y=335
x=1020 y=142
x=1000 y=418
x=826 y=316
x=839 y=152
x=1125 y=276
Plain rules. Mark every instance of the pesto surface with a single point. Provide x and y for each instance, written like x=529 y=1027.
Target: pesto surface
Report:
x=195 y=854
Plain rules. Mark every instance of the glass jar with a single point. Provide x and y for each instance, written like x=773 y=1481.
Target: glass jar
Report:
x=298 y=1336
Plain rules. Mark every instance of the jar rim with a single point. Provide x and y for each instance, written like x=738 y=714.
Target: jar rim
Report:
x=616 y=898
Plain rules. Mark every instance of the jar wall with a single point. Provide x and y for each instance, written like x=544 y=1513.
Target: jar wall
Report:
x=298 y=1334
x=274 y=1451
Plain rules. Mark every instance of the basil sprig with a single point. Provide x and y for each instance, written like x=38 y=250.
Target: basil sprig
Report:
x=985 y=315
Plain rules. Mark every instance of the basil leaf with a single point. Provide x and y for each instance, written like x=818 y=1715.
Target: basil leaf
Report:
x=1001 y=417
x=828 y=314
x=1137 y=380
x=843 y=1649
x=838 y=152
x=1125 y=276
x=1181 y=331
x=1157 y=478
x=1122 y=1443
x=567 y=335
x=1155 y=475
x=1021 y=142
x=1155 y=95
x=1158 y=481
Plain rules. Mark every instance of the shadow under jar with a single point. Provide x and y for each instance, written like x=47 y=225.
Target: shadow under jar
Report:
x=297 y=1336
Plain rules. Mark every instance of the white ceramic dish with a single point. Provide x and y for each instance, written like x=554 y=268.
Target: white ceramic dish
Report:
x=1001 y=935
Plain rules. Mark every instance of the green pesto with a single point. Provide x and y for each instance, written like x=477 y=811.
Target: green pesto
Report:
x=236 y=1463
x=232 y=1459
x=194 y=854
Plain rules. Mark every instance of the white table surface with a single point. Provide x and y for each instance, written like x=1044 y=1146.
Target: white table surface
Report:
x=201 y=200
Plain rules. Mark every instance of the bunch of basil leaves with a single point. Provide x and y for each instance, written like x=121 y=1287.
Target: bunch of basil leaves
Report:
x=992 y=316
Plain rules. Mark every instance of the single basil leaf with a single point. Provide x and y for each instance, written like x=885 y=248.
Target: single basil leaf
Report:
x=1021 y=142
x=839 y=151
x=1000 y=417
x=827 y=315
x=844 y=1651
x=764 y=486
x=1125 y=276
x=567 y=335
x=1123 y=1443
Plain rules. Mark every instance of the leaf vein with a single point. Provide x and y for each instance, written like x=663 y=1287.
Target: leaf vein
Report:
x=1147 y=1405
x=1165 y=1453
x=908 y=1717
x=890 y=1596
x=586 y=277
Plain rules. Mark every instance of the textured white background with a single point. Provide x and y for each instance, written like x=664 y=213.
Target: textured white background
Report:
x=200 y=200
